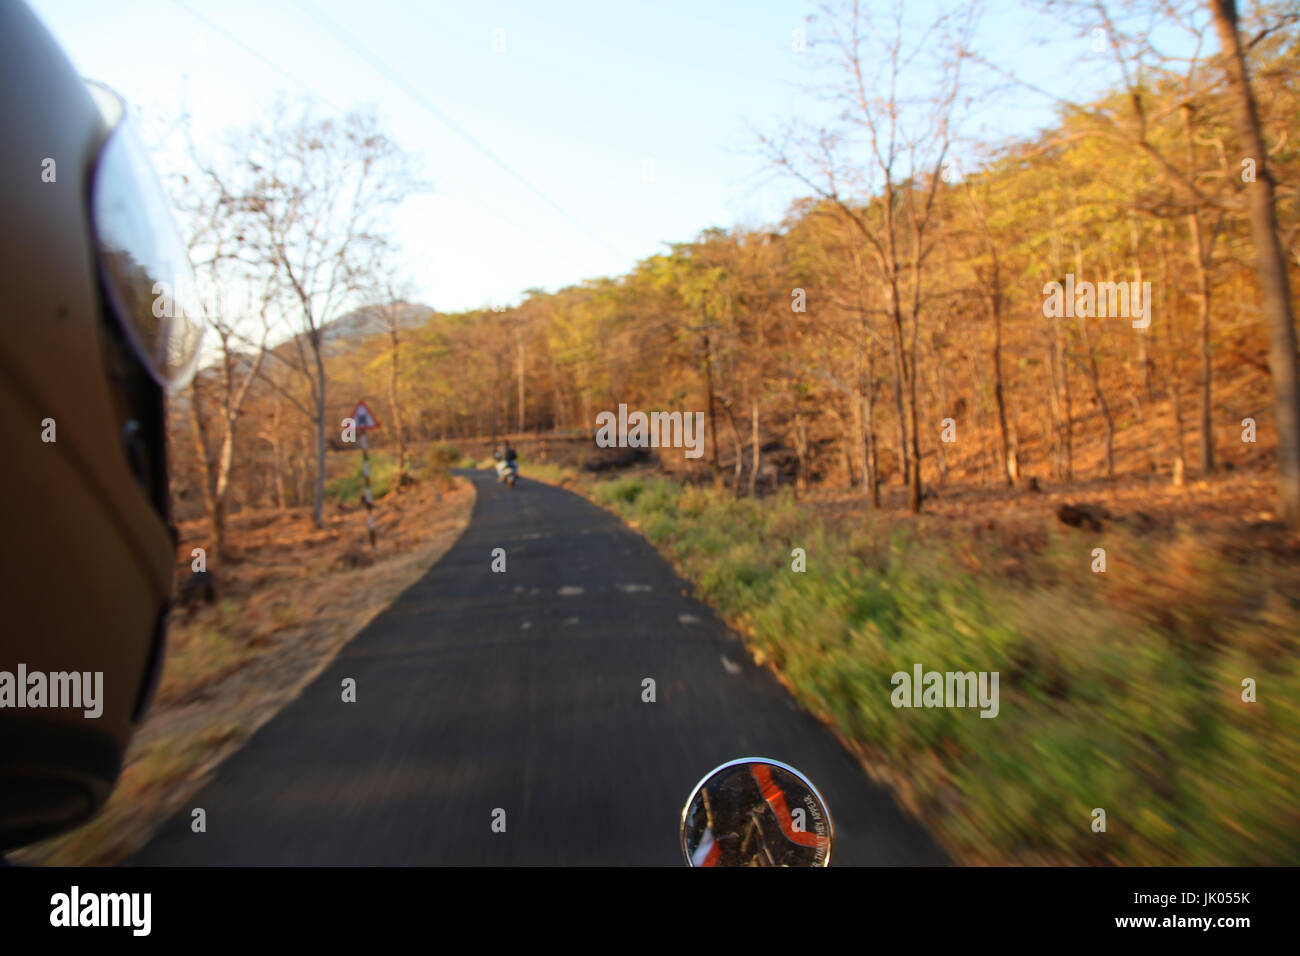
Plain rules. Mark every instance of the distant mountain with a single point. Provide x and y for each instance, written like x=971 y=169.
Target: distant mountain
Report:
x=362 y=323
x=342 y=334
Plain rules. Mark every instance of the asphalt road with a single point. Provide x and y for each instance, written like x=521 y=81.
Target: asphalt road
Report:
x=522 y=691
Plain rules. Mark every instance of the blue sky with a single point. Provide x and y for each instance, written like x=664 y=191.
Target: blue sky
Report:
x=635 y=117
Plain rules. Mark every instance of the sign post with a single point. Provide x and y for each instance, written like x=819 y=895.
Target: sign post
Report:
x=364 y=422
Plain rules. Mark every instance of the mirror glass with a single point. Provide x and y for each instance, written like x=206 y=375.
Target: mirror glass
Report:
x=756 y=812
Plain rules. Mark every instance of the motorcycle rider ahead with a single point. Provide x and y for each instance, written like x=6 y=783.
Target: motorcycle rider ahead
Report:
x=507 y=468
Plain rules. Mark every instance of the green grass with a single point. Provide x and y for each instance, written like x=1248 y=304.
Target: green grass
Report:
x=433 y=463
x=549 y=472
x=348 y=489
x=1119 y=691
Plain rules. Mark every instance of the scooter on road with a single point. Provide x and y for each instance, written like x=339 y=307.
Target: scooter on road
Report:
x=508 y=472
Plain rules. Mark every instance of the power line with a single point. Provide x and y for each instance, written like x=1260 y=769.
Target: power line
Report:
x=253 y=53
x=312 y=92
x=397 y=80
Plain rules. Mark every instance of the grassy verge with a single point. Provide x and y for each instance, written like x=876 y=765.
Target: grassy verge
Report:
x=1119 y=690
x=551 y=473
x=433 y=464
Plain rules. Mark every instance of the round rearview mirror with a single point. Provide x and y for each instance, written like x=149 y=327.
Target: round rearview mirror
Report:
x=756 y=812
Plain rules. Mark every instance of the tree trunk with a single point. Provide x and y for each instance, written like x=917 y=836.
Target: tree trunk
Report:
x=1144 y=335
x=1207 y=365
x=944 y=411
x=871 y=464
x=1180 y=449
x=914 y=483
x=395 y=405
x=999 y=398
x=520 y=366
x=1054 y=400
x=318 y=490
x=224 y=464
x=801 y=449
x=858 y=442
x=200 y=432
x=281 y=496
x=740 y=451
x=904 y=469
x=713 y=416
x=1270 y=265
x=1067 y=403
x=873 y=450
x=1090 y=368
x=846 y=444
x=1169 y=307
x=753 y=467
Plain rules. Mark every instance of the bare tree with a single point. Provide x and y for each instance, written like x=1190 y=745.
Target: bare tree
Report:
x=991 y=280
x=215 y=239
x=235 y=374
x=1157 y=50
x=891 y=201
x=392 y=313
x=316 y=194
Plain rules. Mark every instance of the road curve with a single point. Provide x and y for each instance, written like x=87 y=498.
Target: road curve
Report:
x=521 y=691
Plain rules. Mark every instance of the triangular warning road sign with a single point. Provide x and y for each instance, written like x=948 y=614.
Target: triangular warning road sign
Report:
x=363 y=419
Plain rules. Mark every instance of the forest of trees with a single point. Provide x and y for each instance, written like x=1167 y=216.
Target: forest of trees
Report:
x=905 y=295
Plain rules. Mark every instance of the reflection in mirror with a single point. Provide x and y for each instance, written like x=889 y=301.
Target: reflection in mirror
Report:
x=756 y=812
